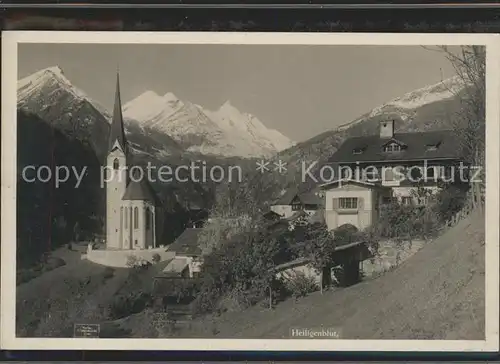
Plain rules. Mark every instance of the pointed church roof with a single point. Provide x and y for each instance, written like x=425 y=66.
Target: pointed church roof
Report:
x=140 y=190
x=117 y=132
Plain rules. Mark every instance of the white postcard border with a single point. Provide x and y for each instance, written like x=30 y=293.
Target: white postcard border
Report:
x=8 y=205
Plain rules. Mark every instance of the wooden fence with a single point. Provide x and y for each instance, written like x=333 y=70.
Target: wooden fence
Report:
x=464 y=212
x=460 y=215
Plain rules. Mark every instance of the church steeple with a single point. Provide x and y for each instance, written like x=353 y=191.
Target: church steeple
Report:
x=117 y=132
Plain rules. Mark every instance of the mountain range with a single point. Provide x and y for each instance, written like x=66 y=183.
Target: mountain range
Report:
x=163 y=127
x=431 y=107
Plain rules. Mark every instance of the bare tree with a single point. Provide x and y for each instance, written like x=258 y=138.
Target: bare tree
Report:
x=469 y=64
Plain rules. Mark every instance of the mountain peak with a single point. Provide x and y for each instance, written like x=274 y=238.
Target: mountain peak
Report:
x=148 y=95
x=169 y=96
x=227 y=105
x=46 y=74
x=228 y=109
x=55 y=69
x=149 y=105
x=47 y=77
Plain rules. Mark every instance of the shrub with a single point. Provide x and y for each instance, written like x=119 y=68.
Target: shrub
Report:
x=175 y=291
x=400 y=222
x=129 y=304
x=450 y=200
x=345 y=234
x=156 y=258
x=53 y=263
x=108 y=273
x=242 y=266
x=300 y=285
x=131 y=261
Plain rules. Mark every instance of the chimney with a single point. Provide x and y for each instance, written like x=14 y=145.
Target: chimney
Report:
x=387 y=129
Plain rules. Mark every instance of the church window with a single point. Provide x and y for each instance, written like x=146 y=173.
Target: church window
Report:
x=148 y=219
x=136 y=218
x=116 y=164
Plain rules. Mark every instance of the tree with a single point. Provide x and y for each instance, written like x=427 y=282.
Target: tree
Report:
x=470 y=65
x=469 y=124
x=320 y=248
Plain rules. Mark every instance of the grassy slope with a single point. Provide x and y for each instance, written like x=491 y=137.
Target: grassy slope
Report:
x=437 y=294
x=70 y=294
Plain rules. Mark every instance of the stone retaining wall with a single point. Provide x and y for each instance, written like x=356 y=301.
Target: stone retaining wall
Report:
x=390 y=255
x=118 y=258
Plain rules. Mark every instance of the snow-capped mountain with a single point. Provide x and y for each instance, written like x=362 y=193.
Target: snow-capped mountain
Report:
x=151 y=120
x=226 y=131
x=51 y=96
x=405 y=106
x=429 y=108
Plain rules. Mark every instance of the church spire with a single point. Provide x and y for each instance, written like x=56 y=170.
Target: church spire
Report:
x=117 y=132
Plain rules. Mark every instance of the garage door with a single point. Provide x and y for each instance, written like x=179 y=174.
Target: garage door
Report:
x=348 y=219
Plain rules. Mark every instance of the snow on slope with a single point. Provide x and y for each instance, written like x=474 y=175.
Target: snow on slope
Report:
x=226 y=131
x=230 y=118
x=440 y=91
x=52 y=77
x=149 y=105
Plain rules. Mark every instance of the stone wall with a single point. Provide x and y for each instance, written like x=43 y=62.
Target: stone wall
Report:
x=118 y=258
x=389 y=256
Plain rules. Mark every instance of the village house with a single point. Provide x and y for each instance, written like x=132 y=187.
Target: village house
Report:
x=353 y=202
x=375 y=169
x=187 y=259
x=293 y=201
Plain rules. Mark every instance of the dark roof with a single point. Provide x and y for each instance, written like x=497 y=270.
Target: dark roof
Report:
x=310 y=198
x=301 y=261
x=117 y=132
x=141 y=190
x=345 y=181
x=416 y=147
x=307 y=198
x=271 y=214
x=187 y=243
x=287 y=197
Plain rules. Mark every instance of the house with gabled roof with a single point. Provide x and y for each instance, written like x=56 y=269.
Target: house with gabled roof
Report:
x=372 y=170
x=293 y=201
x=188 y=253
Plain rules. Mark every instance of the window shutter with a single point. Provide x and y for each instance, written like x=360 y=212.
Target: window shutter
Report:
x=335 y=203
x=360 y=203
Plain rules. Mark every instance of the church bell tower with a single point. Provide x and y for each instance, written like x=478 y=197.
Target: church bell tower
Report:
x=116 y=174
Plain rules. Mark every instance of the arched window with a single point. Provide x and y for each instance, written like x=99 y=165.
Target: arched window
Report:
x=136 y=218
x=148 y=219
x=126 y=217
x=116 y=164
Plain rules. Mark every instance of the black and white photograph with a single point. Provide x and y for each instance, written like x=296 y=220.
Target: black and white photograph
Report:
x=250 y=191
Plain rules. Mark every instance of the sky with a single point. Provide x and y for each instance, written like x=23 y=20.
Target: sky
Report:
x=299 y=90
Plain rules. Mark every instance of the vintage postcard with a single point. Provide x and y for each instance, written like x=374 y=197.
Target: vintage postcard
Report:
x=250 y=191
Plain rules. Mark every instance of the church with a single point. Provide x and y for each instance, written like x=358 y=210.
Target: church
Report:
x=134 y=215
